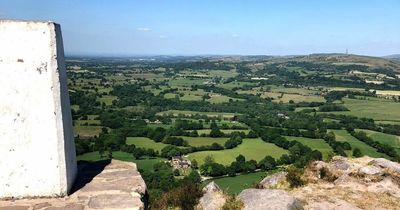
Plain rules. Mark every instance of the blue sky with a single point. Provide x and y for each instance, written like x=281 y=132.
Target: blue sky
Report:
x=184 y=27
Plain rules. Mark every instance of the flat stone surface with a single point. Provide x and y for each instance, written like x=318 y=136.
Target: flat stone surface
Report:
x=100 y=185
x=107 y=201
x=14 y=208
x=267 y=199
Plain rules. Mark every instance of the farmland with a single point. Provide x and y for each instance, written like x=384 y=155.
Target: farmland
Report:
x=317 y=144
x=145 y=143
x=232 y=119
x=234 y=185
x=254 y=149
x=344 y=136
x=375 y=108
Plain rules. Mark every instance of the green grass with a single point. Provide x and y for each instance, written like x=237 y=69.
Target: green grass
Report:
x=388 y=122
x=166 y=126
x=255 y=149
x=232 y=85
x=203 y=141
x=215 y=99
x=108 y=99
x=344 y=136
x=75 y=107
x=234 y=185
x=190 y=113
x=145 y=164
x=95 y=156
x=377 y=109
x=87 y=130
x=82 y=122
x=317 y=144
x=181 y=82
x=384 y=138
x=294 y=94
x=145 y=142
x=186 y=97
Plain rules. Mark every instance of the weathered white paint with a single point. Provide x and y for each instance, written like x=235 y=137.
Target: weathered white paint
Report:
x=37 y=153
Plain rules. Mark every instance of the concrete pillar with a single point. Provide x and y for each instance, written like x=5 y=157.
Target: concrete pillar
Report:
x=37 y=151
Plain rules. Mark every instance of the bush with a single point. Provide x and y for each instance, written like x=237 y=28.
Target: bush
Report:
x=233 y=204
x=177 y=141
x=357 y=152
x=294 y=177
x=327 y=175
x=184 y=197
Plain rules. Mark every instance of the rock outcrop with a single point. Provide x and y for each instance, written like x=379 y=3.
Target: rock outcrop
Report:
x=386 y=164
x=255 y=199
x=272 y=180
x=342 y=183
x=100 y=185
x=213 y=197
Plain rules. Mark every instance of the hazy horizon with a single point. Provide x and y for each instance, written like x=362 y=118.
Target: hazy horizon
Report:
x=149 y=28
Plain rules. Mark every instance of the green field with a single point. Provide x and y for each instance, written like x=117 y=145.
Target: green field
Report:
x=87 y=130
x=145 y=142
x=182 y=82
x=144 y=164
x=186 y=97
x=190 y=113
x=377 y=109
x=234 y=185
x=388 y=122
x=108 y=99
x=203 y=141
x=317 y=144
x=255 y=149
x=232 y=85
x=384 y=138
x=343 y=135
x=215 y=99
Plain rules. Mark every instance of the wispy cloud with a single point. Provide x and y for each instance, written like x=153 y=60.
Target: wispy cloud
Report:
x=143 y=29
x=235 y=35
x=162 y=36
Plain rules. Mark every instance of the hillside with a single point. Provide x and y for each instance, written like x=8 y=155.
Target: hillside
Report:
x=344 y=59
x=351 y=184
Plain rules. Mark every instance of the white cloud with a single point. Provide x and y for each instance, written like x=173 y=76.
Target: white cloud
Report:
x=143 y=29
x=235 y=35
x=162 y=36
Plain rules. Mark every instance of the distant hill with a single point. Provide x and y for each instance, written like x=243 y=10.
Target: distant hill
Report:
x=395 y=56
x=372 y=62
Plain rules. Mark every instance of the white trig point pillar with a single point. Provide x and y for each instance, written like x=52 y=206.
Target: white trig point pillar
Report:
x=37 y=152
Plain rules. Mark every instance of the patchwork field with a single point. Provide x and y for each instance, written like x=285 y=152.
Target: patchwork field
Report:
x=282 y=94
x=203 y=141
x=343 y=135
x=317 y=144
x=87 y=130
x=234 y=185
x=108 y=99
x=255 y=149
x=145 y=142
x=377 y=109
x=190 y=113
x=384 y=138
